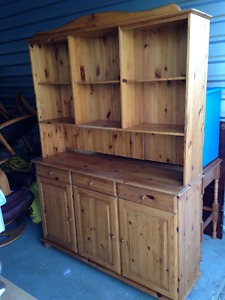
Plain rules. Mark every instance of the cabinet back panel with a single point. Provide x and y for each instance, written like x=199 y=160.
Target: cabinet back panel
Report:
x=154 y=53
x=52 y=62
x=52 y=139
x=55 y=101
x=97 y=58
x=162 y=148
x=153 y=103
x=113 y=142
x=67 y=101
x=97 y=102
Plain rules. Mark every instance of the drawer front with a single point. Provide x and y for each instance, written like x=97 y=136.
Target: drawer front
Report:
x=146 y=197
x=53 y=173
x=96 y=184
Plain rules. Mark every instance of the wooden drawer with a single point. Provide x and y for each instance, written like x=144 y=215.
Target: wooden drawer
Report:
x=96 y=184
x=146 y=197
x=53 y=173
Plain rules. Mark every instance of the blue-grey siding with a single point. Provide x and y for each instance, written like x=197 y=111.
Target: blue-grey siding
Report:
x=20 y=19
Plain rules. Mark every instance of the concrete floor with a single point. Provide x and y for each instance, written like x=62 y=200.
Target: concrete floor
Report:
x=49 y=274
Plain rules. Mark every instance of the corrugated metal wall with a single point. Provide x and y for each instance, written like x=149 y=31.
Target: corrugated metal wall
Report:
x=20 y=19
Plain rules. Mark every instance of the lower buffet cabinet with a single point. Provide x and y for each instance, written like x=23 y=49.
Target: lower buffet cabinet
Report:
x=105 y=212
x=57 y=212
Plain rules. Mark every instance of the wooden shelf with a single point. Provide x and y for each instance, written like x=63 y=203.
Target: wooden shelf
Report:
x=63 y=121
x=164 y=129
x=179 y=78
x=102 y=124
x=98 y=82
x=54 y=83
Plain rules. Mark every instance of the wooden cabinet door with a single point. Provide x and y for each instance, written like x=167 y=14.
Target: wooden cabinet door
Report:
x=148 y=247
x=57 y=212
x=97 y=224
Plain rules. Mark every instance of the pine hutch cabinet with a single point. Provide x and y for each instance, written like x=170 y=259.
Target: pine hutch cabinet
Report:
x=121 y=105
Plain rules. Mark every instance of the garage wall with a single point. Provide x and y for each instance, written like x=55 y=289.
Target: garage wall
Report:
x=20 y=19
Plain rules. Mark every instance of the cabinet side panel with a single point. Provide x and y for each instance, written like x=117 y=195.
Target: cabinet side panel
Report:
x=131 y=94
x=190 y=217
x=197 y=64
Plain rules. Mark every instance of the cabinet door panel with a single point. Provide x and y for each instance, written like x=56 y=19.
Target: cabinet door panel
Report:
x=148 y=249
x=57 y=212
x=97 y=223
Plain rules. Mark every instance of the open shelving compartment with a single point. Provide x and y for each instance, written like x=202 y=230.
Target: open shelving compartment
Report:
x=96 y=78
x=51 y=69
x=153 y=71
x=127 y=89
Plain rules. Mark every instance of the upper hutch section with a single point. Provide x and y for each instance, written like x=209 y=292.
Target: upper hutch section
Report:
x=126 y=84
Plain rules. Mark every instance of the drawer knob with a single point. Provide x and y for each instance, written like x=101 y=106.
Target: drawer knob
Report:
x=112 y=236
x=149 y=197
x=50 y=172
x=91 y=183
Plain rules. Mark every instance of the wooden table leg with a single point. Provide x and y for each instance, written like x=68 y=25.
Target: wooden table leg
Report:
x=215 y=208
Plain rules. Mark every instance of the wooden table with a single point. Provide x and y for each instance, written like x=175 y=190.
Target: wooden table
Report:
x=211 y=174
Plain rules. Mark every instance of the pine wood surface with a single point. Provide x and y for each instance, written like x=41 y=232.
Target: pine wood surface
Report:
x=143 y=230
x=154 y=223
x=57 y=212
x=154 y=199
x=127 y=84
x=104 y=186
x=98 y=232
x=130 y=85
x=189 y=224
x=162 y=178
x=196 y=95
x=111 y=19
